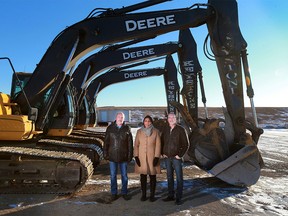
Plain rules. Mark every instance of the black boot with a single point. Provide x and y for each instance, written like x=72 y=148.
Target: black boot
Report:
x=152 y=188
x=143 y=180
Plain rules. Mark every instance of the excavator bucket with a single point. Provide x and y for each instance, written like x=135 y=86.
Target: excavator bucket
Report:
x=236 y=164
x=241 y=168
x=211 y=151
x=208 y=144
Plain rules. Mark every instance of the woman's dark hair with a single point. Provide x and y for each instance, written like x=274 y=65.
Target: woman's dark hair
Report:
x=149 y=117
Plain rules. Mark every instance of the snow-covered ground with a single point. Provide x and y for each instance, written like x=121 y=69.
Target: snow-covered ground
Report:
x=269 y=196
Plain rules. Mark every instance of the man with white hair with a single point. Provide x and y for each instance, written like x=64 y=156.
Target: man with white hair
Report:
x=118 y=149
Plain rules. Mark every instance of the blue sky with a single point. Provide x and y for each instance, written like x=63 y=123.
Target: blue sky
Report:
x=28 y=27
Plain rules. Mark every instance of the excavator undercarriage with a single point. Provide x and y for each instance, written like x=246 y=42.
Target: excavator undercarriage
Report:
x=32 y=170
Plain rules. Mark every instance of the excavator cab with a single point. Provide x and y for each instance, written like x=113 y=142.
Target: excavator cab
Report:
x=62 y=121
x=83 y=115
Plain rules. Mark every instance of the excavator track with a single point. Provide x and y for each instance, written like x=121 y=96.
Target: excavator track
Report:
x=32 y=170
x=85 y=137
x=93 y=151
x=99 y=135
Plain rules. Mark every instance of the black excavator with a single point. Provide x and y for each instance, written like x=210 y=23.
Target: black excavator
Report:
x=87 y=114
x=92 y=66
x=122 y=74
x=28 y=169
x=95 y=64
x=113 y=76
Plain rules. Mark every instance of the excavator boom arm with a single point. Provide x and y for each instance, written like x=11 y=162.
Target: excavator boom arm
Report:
x=89 y=34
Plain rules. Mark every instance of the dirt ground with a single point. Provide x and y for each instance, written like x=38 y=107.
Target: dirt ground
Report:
x=94 y=198
x=203 y=193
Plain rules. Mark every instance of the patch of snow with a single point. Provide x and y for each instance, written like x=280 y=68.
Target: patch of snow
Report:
x=274 y=201
x=274 y=160
x=107 y=182
x=82 y=203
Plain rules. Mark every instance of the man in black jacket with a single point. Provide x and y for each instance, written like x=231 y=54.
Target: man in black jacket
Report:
x=118 y=149
x=174 y=143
